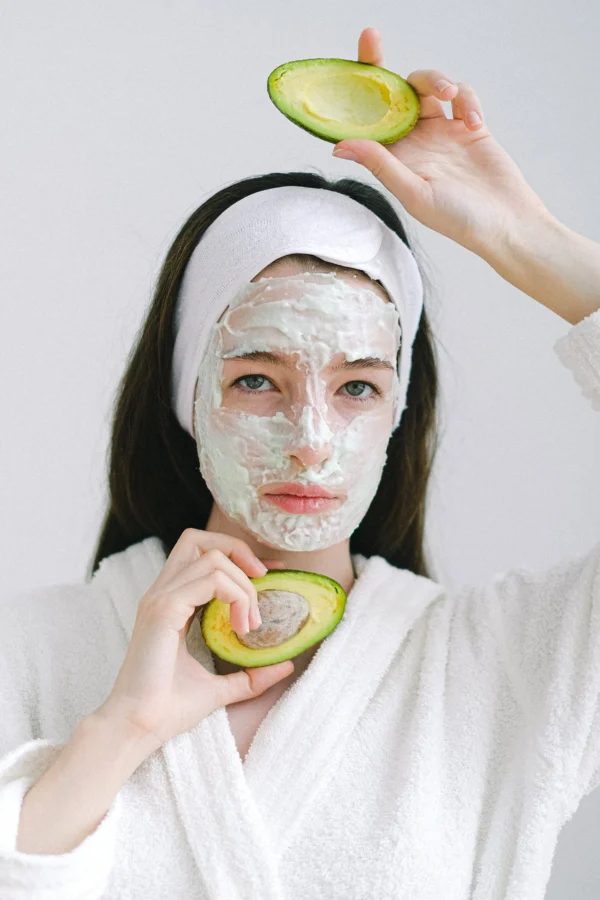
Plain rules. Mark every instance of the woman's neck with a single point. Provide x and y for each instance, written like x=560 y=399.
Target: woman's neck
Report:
x=335 y=562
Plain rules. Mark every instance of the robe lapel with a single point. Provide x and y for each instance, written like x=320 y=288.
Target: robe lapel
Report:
x=239 y=817
x=298 y=744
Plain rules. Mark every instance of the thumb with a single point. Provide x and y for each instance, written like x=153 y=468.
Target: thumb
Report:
x=252 y=682
x=410 y=189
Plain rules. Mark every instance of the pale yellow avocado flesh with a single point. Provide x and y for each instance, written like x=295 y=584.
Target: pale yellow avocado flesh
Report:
x=327 y=601
x=355 y=100
x=337 y=99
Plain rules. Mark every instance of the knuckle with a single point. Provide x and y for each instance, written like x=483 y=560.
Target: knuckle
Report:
x=149 y=599
x=214 y=556
x=241 y=544
x=220 y=579
x=160 y=607
x=377 y=169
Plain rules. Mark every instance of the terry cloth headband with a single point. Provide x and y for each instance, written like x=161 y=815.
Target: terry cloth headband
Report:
x=260 y=228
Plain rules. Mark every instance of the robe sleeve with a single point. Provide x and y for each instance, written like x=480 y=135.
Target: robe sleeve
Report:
x=546 y=626
x=84 y=872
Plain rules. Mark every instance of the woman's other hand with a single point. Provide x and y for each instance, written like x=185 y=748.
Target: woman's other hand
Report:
x=449 y=174
x=161 y=690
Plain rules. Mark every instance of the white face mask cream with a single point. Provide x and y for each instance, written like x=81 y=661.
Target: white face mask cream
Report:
x=311 y=318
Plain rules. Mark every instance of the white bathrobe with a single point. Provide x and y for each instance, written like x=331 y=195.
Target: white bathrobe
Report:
x=433 y=748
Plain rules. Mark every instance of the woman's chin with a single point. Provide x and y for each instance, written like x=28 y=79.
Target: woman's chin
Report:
x=296 y=541
x=287 y=532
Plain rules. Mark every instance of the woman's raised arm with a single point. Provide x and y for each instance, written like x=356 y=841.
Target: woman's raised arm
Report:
x=541 y=628
x=455 y=178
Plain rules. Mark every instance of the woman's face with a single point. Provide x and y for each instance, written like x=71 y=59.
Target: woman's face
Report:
x=296 y=393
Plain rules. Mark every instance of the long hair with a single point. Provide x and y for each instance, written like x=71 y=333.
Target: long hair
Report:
x=154 y=483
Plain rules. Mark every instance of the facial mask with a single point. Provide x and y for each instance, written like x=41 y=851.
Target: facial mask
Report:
x=312 y=316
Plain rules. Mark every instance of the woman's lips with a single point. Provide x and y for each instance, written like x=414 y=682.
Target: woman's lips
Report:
x=300 y=498
x=294 y=504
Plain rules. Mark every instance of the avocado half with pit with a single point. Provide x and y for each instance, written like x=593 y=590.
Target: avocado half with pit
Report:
x=297 y=609
x=338 y=99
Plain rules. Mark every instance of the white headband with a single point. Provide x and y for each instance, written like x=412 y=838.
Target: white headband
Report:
x=254 y=232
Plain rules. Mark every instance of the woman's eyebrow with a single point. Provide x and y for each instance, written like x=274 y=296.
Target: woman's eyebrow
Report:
x=266 y=356
x=368 y=362
x=277 y=359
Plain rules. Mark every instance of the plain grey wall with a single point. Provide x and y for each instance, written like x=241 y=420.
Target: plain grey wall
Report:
x=119 y=118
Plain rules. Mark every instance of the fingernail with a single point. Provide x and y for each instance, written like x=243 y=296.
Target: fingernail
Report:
x=345 y=154
x=261 y=564
x=442 y=85
x=474 y=118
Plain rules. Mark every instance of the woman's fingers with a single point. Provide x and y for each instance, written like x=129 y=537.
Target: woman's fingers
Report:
x=198 y=554
x=208 y=562
x=175 y=607
x=228 y=591
x=214 y=560
x=466 y=104
x=193 y=543
x=429 y=85
x=433 y=86
x=237 y=550
x=370 y=47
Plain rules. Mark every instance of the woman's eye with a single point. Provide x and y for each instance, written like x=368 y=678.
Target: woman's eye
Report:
x=360 y=389
x=253 y=383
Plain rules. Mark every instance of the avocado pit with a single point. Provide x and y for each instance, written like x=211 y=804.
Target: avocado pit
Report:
x=283 y=614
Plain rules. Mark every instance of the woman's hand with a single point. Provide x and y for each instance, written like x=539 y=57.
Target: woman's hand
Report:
x=450 y=174
x=161 y=690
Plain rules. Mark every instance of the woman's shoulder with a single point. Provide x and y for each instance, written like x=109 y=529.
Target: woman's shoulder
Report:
x=65 y=610
x=28 y=609
x=51 y=629
x=61 y=645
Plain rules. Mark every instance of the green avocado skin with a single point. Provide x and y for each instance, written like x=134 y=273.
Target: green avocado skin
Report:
x=319 y=590
x=404 y=125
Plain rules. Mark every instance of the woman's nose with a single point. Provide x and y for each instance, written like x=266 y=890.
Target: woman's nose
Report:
x=307 y=457
x=311 y=442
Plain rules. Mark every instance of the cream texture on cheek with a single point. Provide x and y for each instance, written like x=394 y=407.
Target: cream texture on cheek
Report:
x=313 y=316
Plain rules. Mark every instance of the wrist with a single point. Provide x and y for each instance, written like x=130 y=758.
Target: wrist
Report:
x=534 y=235
x=127 y=743
x=76 y=791
x=550 y=262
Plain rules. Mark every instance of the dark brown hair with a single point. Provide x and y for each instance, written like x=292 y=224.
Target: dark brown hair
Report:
x=154 y=481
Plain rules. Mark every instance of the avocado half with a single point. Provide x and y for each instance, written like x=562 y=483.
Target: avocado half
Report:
x=297 y=609
x=337 y=99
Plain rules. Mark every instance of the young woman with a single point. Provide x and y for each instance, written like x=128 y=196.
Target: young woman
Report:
x=435 y=742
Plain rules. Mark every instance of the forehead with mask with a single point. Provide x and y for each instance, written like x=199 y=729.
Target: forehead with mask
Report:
x=297 y=388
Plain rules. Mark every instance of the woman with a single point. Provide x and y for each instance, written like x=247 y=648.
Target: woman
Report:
x=434 y=743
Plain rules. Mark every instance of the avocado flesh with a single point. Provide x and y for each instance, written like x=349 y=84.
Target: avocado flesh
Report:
x=338 y=99
x=298 y=609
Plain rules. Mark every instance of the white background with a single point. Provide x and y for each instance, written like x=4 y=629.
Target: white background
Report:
x=120 y=118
